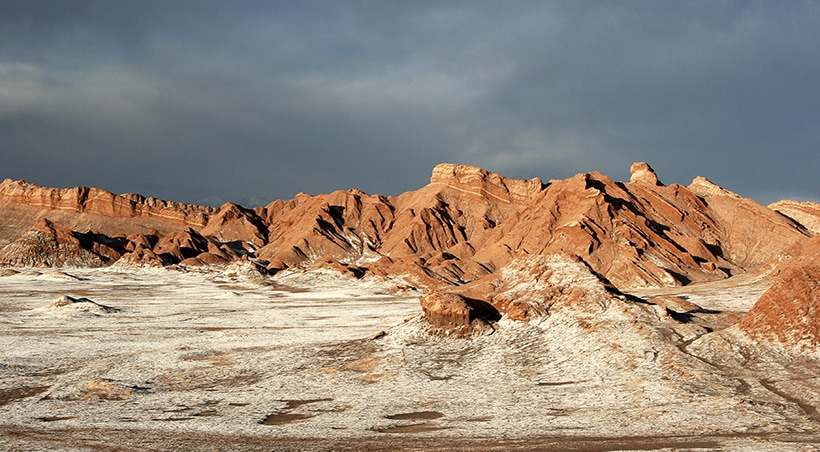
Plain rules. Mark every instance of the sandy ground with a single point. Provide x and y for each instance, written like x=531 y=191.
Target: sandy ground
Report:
x=168 y=360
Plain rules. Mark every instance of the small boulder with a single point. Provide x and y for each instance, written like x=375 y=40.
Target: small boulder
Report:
x=82 y=305
x=105 y=390
x=453 y=314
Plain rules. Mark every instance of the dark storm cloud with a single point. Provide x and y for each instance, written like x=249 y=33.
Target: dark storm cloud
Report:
x=250 y=101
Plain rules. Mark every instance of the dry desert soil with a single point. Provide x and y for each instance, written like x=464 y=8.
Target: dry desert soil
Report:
x=121 y=359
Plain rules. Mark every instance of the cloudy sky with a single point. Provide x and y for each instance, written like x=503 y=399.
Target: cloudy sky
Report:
x=202 y=101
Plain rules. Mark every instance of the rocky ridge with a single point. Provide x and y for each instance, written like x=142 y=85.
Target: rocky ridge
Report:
x=97 y=201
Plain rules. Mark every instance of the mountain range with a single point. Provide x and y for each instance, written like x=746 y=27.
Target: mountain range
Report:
x=456 y=239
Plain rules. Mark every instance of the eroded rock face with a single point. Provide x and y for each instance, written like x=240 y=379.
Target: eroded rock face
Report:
x=181 y=245
x=455 y=315
x=483 y=183
x=789 y=312
x=750 y=235
x=345 y=225
x=97 y=201
x=234 y=223
x=805 y=213
x=50 y=244
x=529 y=287
x=642 y=172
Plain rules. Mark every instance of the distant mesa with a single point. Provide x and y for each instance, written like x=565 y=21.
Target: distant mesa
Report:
x=101 y=202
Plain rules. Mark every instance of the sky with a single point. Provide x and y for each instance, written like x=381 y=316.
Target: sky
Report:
x=250 y=101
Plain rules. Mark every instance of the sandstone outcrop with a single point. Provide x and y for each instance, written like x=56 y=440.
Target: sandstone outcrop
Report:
x=178 y=246
x=789 y=312
x=456 y=315
x=642 y=172
x=485 y=184
x=51 y=244
x=752 y=234
x=102 y=202
x=806 y=213
x=234 y=223
x=345 y=225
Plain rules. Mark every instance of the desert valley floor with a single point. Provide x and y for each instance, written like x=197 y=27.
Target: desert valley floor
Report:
x=164 y=359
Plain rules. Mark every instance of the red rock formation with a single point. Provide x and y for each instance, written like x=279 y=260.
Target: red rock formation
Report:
x=456 y=315
x=50 y=244
x=97 y=201
x=805 y=213
x=345 y=225
x=789 y=312
x=178 y=246
x=439 y=228
x=642 y=172
x=82 y=208
x=633 y=234
x=140 y=256
x=752 y=234
x=234 y=223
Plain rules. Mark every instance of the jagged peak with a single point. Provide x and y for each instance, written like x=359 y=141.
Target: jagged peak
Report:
x=232 y=207
x=642 y=172
x=705 y=188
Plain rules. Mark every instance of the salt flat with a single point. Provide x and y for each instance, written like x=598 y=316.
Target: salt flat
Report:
x=216 y=360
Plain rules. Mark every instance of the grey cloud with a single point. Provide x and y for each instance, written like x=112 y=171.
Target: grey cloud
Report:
x=259 y=100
